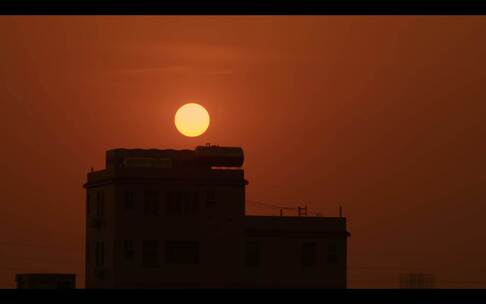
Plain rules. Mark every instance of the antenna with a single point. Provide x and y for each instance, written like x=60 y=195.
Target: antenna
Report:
x=302 y=211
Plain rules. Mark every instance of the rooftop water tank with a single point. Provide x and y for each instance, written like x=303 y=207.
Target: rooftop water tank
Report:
x=216 y=156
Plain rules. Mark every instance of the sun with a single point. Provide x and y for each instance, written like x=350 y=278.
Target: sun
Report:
x=192 y=119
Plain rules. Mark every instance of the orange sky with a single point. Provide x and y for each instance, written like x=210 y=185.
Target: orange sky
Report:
x=379 y=114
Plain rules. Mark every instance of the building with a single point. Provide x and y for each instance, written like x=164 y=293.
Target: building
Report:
x=176 y=219
x=417 y=280
x=45 y=281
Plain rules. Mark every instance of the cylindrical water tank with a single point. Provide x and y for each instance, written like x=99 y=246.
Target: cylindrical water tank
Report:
x=216 y=156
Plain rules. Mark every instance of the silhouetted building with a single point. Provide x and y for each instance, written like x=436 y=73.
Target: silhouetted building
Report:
x=176 y=219
x=45 y=281
x=417 y=280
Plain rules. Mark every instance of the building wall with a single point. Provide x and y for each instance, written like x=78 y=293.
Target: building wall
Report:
x=285 y=244
x=215 y=227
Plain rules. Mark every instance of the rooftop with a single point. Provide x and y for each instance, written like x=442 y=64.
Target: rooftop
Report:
x=212 y=164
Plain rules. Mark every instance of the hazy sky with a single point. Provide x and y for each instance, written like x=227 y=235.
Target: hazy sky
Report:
x=380 y=114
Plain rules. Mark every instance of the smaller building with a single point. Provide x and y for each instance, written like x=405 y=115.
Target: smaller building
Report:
x=45 y=281
x=417 y=280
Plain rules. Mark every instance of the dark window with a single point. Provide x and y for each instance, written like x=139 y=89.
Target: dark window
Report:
x=169 y=203
x=178 y=202
x=309 y=256
x=332 y=257
x=100 y=253
x=252 y=254
x=129 y=200
x=150 y=253
x=332 y=247
x=174 y=203
x=195 y=203
x=20 y=283
x=87 y=253
x=210 y=198
x=191 y=203
x=97 y=253
x=182 y=203
x=128 y=250
x=182 y=252
x=100 y=204
x=88 y=203
x=151 y=203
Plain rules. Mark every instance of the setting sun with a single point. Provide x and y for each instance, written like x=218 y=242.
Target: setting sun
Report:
x=192 y=119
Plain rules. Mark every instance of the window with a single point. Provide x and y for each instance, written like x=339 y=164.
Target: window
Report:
x=100 y=253
x=332 y=247
x=100 y=204
x=210 y=198
x=150 y=253
x=182 y=203
x=87 y=204
x=128 y=250
x=182 y=252
x=87 y=253
x=309 y=257
x=252 y=254
x=129 y=201
x=332 y=257
x=20 y=283
x=174 y=203
x=170 y=207
x=190 y=203
x=65 y=285
x=151 y=203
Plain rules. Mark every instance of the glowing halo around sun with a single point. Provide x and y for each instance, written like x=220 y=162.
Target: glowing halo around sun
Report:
x=192 y=119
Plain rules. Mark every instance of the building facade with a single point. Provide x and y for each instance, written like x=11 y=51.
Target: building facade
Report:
x=176 y=219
